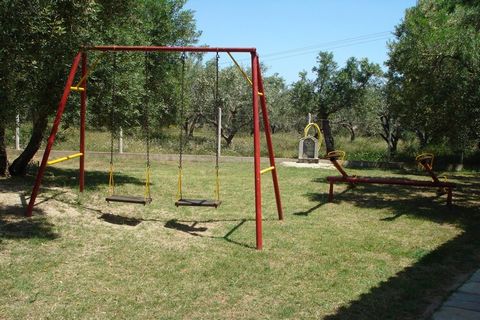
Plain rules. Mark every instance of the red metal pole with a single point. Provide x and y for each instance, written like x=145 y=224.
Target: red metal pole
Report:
x=429 y=170
x=53 y=133
x=83 y=110
x=169 y=49
x=339 y=167
x=449 y=196
x=268 y=135
x=256 y=152
x=330 y=193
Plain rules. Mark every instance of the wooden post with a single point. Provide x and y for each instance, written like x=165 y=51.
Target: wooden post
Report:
x=219 y=132
x=17 y=132
x=120 y=141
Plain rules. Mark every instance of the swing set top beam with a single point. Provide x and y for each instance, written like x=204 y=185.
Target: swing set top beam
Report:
x=169 y=49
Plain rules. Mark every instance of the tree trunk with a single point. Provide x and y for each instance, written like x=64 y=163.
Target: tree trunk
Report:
x=228 y=138
x=191 y=125
x=422 y=137
x=19 y=165
x=327 y=134
x=351 y=129
x=3 y=152
x=391 y=135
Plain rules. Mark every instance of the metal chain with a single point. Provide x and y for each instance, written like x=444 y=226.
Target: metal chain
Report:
x=216 y=106
x=114 y=101
x=146 y=110
x=182 y=105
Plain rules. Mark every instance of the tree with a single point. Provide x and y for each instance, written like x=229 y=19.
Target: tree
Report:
x=278 y=102
x=362 y=117
x=43 y=32
x=435 y=65
x=38 y=34
x=200 y=94
x=235 y=101
x=301 y=100
x=335 y=89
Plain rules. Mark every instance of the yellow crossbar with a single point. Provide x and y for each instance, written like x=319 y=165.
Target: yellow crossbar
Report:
x=77 y=89
x=267 y=170
x=243 y=72
x=73 y=156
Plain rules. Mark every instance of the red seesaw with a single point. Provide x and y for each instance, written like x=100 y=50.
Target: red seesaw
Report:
x=424 y=160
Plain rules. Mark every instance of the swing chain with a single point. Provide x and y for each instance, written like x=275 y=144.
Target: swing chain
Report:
x=111 y=182
x=217 y=140
x=182 y=105
x=147 y=128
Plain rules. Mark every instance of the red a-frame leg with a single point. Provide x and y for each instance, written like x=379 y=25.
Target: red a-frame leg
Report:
x=268 y=135
x=256 y=154
x=83 y=112
x=53 y=133
x=257 y=86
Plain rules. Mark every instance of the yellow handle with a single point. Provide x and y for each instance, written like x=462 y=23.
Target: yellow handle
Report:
x=336 y=154
x=425 y=157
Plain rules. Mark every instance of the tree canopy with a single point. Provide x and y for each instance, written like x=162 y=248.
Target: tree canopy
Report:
x=434 y=71
x=39 y=39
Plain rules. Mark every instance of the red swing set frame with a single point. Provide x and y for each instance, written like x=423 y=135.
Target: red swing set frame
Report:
x=257 y=96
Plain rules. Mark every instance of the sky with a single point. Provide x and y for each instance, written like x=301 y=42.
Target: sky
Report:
x=288 y=34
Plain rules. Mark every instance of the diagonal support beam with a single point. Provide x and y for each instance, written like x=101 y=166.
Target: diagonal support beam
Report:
x=268 y=136
x=53 y=133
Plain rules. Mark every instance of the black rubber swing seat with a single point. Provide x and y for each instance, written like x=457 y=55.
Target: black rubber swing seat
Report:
x=197 y=203
x=128 y=199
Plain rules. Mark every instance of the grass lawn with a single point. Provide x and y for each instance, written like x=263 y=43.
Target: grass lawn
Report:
x=377 y=252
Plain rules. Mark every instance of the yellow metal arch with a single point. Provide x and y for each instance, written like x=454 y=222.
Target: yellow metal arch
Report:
x=317 y=128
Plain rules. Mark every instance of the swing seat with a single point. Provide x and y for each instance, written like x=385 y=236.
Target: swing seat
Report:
x=128 y=199
x=197 y=203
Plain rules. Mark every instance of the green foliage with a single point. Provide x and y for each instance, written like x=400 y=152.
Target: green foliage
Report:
x=435 y=71
x=334 y=89
x=338 y=88
x=40 y=38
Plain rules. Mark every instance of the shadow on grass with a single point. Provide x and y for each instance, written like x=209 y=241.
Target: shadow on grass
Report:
x=13 y=224
x=411 y=293
x=191 y=228
x=188 y=226
x=93 y=179
x=120 y=220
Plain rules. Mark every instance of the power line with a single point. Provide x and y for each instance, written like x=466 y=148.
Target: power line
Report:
x=353 y=41
x=330 y=43
x=326 y=48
